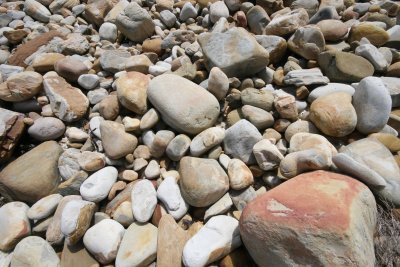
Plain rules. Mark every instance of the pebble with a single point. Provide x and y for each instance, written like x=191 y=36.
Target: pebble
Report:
x=45 y=129
x=91 y=161
x=88 y=81
x=328 y=89
x=75 y=134
x=307 y=41
x=258 y=98
x=14 y=224
x=205 y=140
x=218 y=83
x=70 y=68
x=169 y=194
x=218 y=10
x=108 y=31
x=178 y=147
x=132 y=91
x=267 y=155
x=21 y=86
x=97 y=186
x=45 y=207
x=288 y=23
x=144 y=200
x=372 y=54
x=188 y=11
x=240 y=176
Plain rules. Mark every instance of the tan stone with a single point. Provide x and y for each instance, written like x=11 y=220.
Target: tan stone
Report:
x=132 y=91
x=45 y=62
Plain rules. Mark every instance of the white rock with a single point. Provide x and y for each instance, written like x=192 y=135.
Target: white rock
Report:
x=94 y=125
x=207 y=139
x=144 y=200
x=44 y=207
x=5 y=259
x=372 y=54
x=217 y=238
x=168 y=18
x=267 y=155
x=76 y=135
x=152 y=170
x=218 y=10
x=108 y=31
x=98 y=185
x=103 y=240
x=170 y=195
x=89 y=81
x=224 y=160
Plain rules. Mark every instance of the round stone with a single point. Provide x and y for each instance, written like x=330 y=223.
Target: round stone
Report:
x=45 y=129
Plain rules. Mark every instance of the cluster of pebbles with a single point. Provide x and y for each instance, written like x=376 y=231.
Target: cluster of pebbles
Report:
x=197 y=132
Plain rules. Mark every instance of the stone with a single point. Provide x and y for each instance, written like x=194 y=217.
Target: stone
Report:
x=70 y=68
x=68 y=163
x=135 y=23
x=305 y=141
x=258 y=98
x=109 y=107
x=240 y=139
x=45 y=129
x=33 y=175
x=75 y=44
x=76 y=255
x=334 y=114
x=394 y=70
x=328 y=89
x=140 y=239
x=228 y=52
x=390 y=141
x=108 y=31
x=305 y=77
x=202 y=181
x=257 y=19
x=103 y=239
x=91 y=161
x=218 y=10
x=114 y=60
x=44 y=208
x=267 y=155
x=267 y=223
x=68 y=103
x=170 y=242
x=177 y=38
x=220 y=207
x=257 y=116
x=307 y=41
x=300 y=126
x=372 y=54
x=275 y=45
x=139 y=63
x=392 y=84
x=218 y=83
x=216 y=239
x=168 y=18
x=14 y=224
x=288 y=23
x=144 y=200
x=240 y=176
x=197 y=109
x=376 y=35
x=88 y=81
x=332 y=29
x=169 y=194
x=344 y=67
x=160 y=142
x=188 y=11
x=178 y=147
x=132 y=91
x=205 y=140
x=116 y=142
x=96 y=11
x=36 y=252
x=97 y=186
x=285 y=105
x=37 y=11
x=373 y=104
x=75 y=220
x=21 y=86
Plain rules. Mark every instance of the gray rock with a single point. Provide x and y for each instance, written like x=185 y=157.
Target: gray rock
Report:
x=144 y=200
x=88 y=81
x=308 y=42
x=328 y=89
x=108 y=31
x=258 y=117
x=114 y=60
x=218 y=10
x=188 y=11
x=393 y=85
x=257 y=19
x=37 y=11
x=372 y=54
x=305 y=77
x=263 y=99
x=45 y=129
x=177 y=38
x=178 y=147
x=168 y=18
x=373 y=104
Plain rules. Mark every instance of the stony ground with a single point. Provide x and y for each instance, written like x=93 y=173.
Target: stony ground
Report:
x=199 y=133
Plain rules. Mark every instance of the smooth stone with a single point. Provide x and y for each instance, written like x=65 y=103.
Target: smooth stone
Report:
x=97 y=186
x=178 y=147
x=376 y=35
x=216 y=239
x=284 y=24
x=168 y=18
x=218 y=83
x=305 y=141
x=258 y=98
x=394 y=70
x=36 y=252
x=223 y=205
x=373 y=104
x=393 y=84
x=103 y=239
x=285 y=104
x=114 y=60
x=258 y=117
x=149 y=119
x=307 y=41
x=91 y=161
x=257 y=19
x=138 y=246
x=14 y=224
x=188 y=11
x=5 y=259
x=267 y=155
x=328 y=89
x=300 y=126
x=275 y=45
x=70 y=68
x=202 y=181
x=33 y=175
x=144 y=200
x=187 y=108
x=88 y=81
x=227 y=51
x=332 y=29
x=304 y=161
x=21 y=86
x=45 y=129
x=169 y=194
x=132 y=91
x=139 y=63
x=348 y=206
x=160 y=142
x=68 y=164
x=240 y=176
x=218 y=10
x=45 y=207
x=77 y=255
x=240 y=139
x=388 y=140
x=37 y=11
x=372 y=54
x=205 y=140
x=108 y=31
x=305 y=77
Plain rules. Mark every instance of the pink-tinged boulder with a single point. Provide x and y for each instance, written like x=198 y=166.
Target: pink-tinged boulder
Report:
x=315 y=219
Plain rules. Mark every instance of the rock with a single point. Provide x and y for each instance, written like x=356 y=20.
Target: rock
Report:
x=14 y=224
x=75 y=44
x=75 y=219
x=299 y=126
x=348 y=206
x=98 y=185
x=388 y=140
x=96 y=11
x=372 y=54
x=45 y=207
x=218 y=83
x=240 y=139
x=332 y=29
x=135 y=23
x=103 y=240
x=177 y=38
x=328 y=89
x=139 y=63
x=257 y=19
x=334 y=114
x=258 y=98
x=288 y=23
x=132 y=91
x=170 y=242
x=205 y=140
x=168 y=18
x=5 y=258
x=114 y=60
x=276 y=46
x=376 y=35
x=45 y=129
x=108 y=31
x=216 y=239
x=109 y=107
x=116 y=142
x=68 y=164
x=202 y=182
x=305 y=77
x=188 y=11
x=36 y=252
x=91 y=161
x=372 y=103
x=88 y=81
x=344 y=67
x=21 y=86
x=178 y=147
x=37 y=11
x=307 y=41
x=286 y=106
x=140 y=239
x=70 y=68
x=267 y=155
x=76 y=255
x=227 y=52
x=239 y=174
x=257 y=116
x=218 y=10
x=144 y=200
x=45 y=62
x=67 y=102
x=305 y=141
x=197 y=109
x=170 y=195
x=33 y=175
x=393 y=85
x=220 y=207
x=394 y=70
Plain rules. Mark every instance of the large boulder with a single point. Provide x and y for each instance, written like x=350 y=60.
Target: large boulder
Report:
x=33 y=175
x=329 y=220
x=236 y=52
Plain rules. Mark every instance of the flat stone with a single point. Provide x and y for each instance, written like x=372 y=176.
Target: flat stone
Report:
x=144 y=200
x=14 y=224
x=37 y=11
x=220 y=207
x=47 y=128
x=332 y=29
x=98 y=185
x=205 y=140
x=372 y=54
x=77 y=255
x=305 y=77
x=257 y=116
x=114 y=60
x=70 y=68
x=328 y=89
x=376 y=35
x=258 y=98
x=45 y=207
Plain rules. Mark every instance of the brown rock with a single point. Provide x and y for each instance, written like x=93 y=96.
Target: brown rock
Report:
x=21 y=86
x=109 y=107
x=70 y=68
x=394 y=70
x=11 y=129
x=390 y=141
x=15 y=36
x=77 y=255
x=152 y=45
x=376 y=35
x=132 y=91
x=96 y=10
x=45 y=62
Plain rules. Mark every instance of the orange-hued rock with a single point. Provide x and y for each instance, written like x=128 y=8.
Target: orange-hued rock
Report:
x=315 y=219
